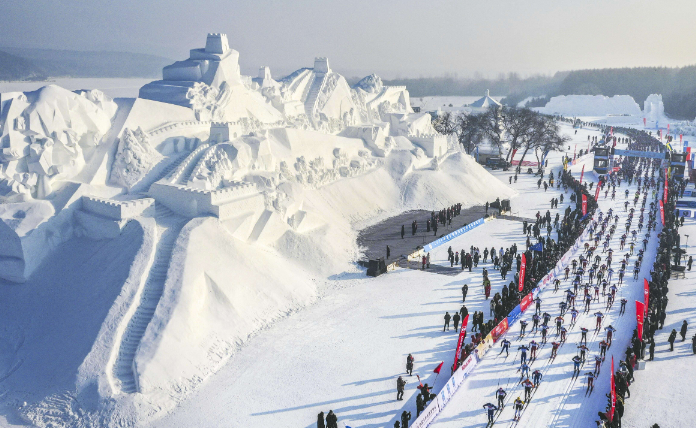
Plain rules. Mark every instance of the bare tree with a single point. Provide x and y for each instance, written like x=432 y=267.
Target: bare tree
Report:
x=490 y=124
x=445 y=123
x=470 y=131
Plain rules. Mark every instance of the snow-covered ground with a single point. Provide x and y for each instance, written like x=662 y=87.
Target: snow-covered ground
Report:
x=661 y=392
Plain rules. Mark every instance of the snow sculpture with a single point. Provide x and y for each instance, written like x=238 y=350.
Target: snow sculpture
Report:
x=208 y=102
x=134 y=158
x=653 y=108
x=50 y=137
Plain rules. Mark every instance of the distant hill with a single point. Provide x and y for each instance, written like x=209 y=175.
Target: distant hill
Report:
x=15 y=68
x=59 y=63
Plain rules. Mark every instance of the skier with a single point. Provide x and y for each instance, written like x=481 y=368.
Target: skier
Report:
x=533 y=346
x=554 y=349
x=603 y=349
x=576 y=365
x=500 y=394
x=599 y=316
x=505 y=344
x=447 y=321
x=590 y=382
x=583 y=349
x=490 y=408
x=623 y=306
x=524 y=368
x=610 y=332
x=523 y=327
x=536 y=377
x=409 y=364
x=528 y=385
x=597 y=364
x=523 y=354
x=400 y=385
x=519 y=405
x=543 y=328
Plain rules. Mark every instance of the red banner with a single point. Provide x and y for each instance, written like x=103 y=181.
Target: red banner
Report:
x=610 y=413
x=596 y=193
x=582 y=173
x=644 y=122
x=500 y=329
x=584 y=205
x=612 y=131
x=664 y=198
x=646 y=293
x=523 y=268
x=462 y=337
x=640 y=314
x=681 y=137
x=662 y=213
x=524 y=304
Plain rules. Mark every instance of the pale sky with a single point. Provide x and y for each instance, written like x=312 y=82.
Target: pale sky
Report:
x=394 y=38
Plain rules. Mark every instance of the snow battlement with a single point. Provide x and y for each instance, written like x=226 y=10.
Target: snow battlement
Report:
x=217 y=43
x=264 y=72
x=432 y=144
x=321 y=65
x=116 y=210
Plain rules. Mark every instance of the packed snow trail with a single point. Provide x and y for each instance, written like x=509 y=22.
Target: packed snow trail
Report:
x=169 y=226
x=560 y=394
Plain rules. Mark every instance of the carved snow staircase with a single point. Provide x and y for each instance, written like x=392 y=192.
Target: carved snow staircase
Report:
x=169 y=225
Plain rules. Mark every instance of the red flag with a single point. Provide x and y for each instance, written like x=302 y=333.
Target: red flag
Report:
x=582 y=173
x=596 y=193
x=644 y=122
x=584 y=205
x=523 y=268
x=646 y=293
x=640 y=313
x=437 y=369
x=681 y=136
x=662 y=213
x=610 y=413
x=462 y=337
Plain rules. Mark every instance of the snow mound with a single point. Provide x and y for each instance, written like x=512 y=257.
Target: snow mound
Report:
x=592 y=105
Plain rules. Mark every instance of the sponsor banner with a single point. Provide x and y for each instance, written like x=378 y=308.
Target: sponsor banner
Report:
x=646 y=293
x=462 y=337
x=484 y=346
x=640 y=313
x=524 y=163
x=639 y=153
x=526 y=301
x=523 y=269
x=428 y=415
x=453 y=235
x=584 y=206
x=662 y=213
x=514 y=315
x=500 y=329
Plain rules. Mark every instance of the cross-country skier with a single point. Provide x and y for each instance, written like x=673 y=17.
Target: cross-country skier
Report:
x=523 y=354
x=536 y=377
x=505 y=344
x=599 y=316
x=554 y=349
x=576 y=365
x=528 y=385
x=519 y=405
x=490 y=408
x=500 y=395
x=590 y=382
x=610 y=331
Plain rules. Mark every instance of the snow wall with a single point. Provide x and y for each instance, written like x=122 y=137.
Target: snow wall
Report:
x=592 y=105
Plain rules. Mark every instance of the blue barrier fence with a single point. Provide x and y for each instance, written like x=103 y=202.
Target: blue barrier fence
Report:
x=453 y=235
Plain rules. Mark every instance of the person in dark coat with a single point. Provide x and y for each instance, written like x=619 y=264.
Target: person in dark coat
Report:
x=400 y=385
x=320 y=420
x=420 y=406
x=403 y=231
x=447 y=320
x=693 y=343
x=388 y=251
x=409 y=364
x=405 y=417
x=672 y=337
x=455 y=318
x=331 y=420
x=465 y=289
x=682 y=332
x=652 y=349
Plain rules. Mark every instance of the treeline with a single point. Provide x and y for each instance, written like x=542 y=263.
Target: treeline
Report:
x=677 y=86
